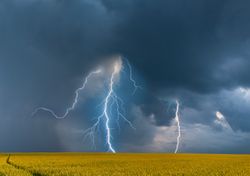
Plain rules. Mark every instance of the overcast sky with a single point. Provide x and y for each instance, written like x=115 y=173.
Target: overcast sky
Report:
x=196 y=52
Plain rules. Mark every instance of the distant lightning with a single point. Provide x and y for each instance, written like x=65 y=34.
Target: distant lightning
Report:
x=136 y=87
x=177 y=119
x=72 y=107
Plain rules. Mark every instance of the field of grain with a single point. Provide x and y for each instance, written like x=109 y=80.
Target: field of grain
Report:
x=100 y=164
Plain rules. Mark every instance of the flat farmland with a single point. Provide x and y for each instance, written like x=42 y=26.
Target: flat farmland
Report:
x=104 y=164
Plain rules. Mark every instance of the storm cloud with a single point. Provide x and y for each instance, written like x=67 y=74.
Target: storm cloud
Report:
x=193 y=51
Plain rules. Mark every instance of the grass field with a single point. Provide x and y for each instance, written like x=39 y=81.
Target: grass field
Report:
x=99 y=164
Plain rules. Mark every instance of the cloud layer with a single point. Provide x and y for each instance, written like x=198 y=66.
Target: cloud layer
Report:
x=196 y=52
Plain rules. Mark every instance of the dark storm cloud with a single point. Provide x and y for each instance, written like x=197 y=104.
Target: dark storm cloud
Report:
x=176 y=44
x=194 y=47
x=45 y=48
x=158 y=111
x=49 y=39
x=186 y=44
x=190 y=50
x=199 y=45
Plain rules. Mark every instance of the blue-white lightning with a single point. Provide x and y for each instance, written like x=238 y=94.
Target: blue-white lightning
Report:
x=177 y=119
x=110 y=100
x=72 y=107
x=136 y=87
x=112 y=105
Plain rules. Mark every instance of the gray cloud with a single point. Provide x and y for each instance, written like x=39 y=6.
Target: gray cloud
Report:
x=196 y=51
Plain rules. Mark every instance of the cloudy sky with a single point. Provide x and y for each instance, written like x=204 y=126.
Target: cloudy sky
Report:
x=196 y=52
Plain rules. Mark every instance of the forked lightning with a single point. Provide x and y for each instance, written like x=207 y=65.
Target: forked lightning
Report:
x=72 y=107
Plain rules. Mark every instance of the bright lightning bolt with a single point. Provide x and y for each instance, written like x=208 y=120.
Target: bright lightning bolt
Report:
x=105 y=110
x=112 y=103
x=72 y=107
x=110 y=100
x=177 y=119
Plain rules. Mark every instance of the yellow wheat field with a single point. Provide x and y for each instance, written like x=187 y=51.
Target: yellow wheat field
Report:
x=101 y=164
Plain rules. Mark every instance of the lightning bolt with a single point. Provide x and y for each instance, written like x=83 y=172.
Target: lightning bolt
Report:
x=110 y=100
x=72 y=107
x=105 y=110
x=136 y=87
x=111 y=104
x=177 y=119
